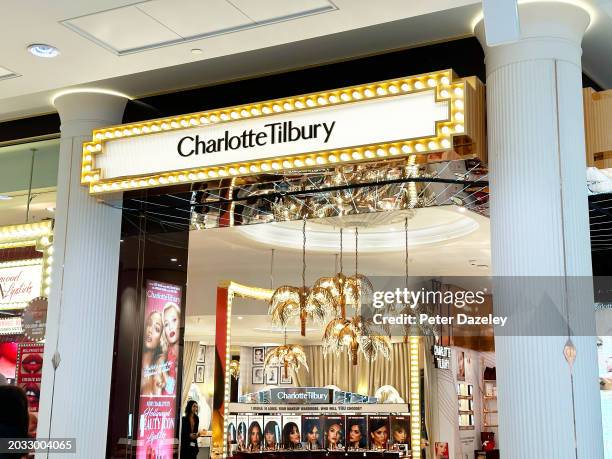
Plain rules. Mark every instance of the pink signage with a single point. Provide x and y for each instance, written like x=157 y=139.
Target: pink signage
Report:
x=160 y=360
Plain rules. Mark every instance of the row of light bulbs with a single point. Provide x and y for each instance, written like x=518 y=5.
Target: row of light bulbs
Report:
x=446 y=90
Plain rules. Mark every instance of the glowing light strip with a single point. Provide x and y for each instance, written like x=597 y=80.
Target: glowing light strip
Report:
x=443 y=82
x=415 y=398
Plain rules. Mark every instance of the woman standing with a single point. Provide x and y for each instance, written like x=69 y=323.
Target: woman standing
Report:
x=189 y=431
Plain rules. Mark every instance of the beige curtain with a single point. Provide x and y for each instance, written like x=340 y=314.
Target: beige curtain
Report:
x=363 y=378
x=430 y=382
x=190 y=356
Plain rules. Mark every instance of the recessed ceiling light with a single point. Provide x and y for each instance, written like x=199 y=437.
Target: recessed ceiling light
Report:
x=461 y=209
x=43 y=50
x=4 y=197
x=173 y=260
x=240 y=317
x=196 y=51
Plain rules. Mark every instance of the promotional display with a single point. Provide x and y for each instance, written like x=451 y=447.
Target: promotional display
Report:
x=272 y=431
x=242 y=424
x=28 y=371
x=160 y=361
x=20 y=281
x=356 y=432
x=378 y=431
x=604 y=354
x=34 y=319
x=232 y=434
x=334 y=432
x=255 y=433
x=400 y=430
x=292 y=437
x=312 y=431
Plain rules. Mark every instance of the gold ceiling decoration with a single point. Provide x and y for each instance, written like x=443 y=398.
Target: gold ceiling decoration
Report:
x=289 y=302
x=348 y=333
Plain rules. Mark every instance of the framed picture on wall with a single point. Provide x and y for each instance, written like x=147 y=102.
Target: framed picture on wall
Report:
x=199 y=374
x=201 y=354
x=258 y=375
x=259 y=354
x=460 y=366
x=288 y=379
x=272 y=376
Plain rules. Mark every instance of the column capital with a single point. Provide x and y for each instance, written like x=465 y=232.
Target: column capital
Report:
x=81 y=111
x=549 y=30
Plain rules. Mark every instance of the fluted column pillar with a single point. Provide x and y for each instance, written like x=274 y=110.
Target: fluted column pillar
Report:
x=540 y=227
x=81 y=316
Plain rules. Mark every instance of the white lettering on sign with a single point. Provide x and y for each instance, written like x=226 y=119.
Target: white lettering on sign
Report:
x=19 y=284
x=387 y=119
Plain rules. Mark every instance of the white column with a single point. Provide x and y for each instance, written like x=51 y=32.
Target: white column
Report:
x=82 y=303
x=540 y=227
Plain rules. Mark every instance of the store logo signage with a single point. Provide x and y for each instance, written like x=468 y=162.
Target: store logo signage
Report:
x=274 y=133
x=442 y=355
x=20 y=281
x=300 y=395
x=242 y=144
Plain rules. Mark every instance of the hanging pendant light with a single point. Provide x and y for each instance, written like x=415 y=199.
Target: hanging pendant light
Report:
x=341 y=334
x=287 y=356
x=347 y=290
x=289 y=302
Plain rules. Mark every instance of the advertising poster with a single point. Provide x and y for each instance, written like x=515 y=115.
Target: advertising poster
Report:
x=441 y=450
x=334 y=432
x=28 y=371
x=604 y=354
x=378 y=431
x=242 y=422
x=255 y=433
x=159 y=369
x=292 y=436
x=231 y=429
x=312 y=431
x=400 y=430
x=272 y=431
x=356 y=432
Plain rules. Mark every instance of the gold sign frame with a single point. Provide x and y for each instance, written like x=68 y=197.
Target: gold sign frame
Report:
x=227 y=290
x=465 y=99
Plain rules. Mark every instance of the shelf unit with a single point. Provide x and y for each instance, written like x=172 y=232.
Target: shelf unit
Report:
x=489 y=405
x=465 y=398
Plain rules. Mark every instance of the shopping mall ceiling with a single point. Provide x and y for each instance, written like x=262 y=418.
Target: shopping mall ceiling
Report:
x=150 y=47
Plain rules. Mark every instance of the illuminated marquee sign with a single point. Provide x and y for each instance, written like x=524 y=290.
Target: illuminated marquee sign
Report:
x=421 y=114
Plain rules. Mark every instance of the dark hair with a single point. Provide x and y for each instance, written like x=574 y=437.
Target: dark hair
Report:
x=271 y=427
x=14 y=416
x=288 y=430
x=251 y=428
x=308 y=426
x=362 y=430
x=190 y=403
x=376 y=424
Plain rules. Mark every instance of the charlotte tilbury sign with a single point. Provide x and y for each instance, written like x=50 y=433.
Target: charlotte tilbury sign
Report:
x=407 y=116
x=20 y=281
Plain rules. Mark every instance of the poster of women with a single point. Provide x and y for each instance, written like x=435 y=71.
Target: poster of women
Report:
x=159 y=369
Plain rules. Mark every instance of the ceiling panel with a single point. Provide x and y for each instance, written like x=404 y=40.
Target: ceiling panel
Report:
x=123 y=29
x=191 y=18
x=269 y=10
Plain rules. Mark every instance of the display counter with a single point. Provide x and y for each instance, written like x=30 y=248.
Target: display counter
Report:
x=304 y=454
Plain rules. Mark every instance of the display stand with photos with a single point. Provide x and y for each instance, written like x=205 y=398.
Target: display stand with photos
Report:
x=243 y=428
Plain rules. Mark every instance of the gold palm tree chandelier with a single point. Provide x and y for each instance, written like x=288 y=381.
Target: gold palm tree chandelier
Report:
x=288 y=302
x=347 y=290
x=348 y=333
x=288 y=356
